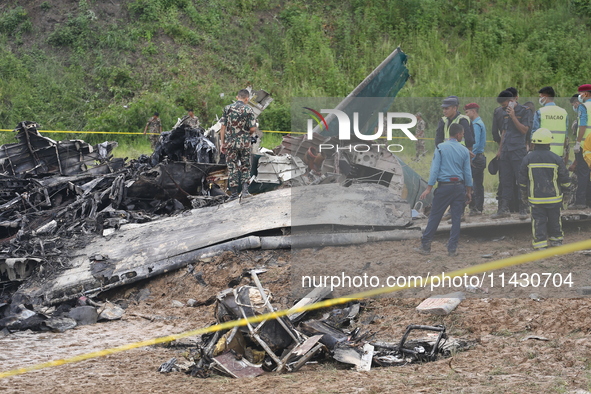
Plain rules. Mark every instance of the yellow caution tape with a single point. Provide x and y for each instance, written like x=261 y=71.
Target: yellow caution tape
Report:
x=86 y=132
x=284 y=132
x=477 y=269
x=122 y=132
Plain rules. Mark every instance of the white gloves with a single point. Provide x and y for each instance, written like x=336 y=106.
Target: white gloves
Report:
x=577 y=147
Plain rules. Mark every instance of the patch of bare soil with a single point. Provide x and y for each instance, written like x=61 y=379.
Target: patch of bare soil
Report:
x=503 y=361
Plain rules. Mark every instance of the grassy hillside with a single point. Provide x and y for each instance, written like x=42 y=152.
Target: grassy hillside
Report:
x=107 y=65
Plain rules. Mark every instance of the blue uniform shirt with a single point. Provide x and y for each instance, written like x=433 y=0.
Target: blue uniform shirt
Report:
x=582 y=115
x=479 y=136
x=451 y=160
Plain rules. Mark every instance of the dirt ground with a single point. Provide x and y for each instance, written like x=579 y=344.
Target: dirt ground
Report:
x=502 y=361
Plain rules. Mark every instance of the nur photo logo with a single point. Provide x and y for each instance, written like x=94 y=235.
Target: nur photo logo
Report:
x=388 y=121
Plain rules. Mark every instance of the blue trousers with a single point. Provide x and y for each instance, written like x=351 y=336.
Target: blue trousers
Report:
x=478 y=166
x=446 y=195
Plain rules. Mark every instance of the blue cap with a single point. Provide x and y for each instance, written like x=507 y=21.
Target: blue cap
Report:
x=450 y=101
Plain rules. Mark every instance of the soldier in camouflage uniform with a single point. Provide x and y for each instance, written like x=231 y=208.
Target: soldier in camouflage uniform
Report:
x=191 y=120
x=155 y=126
x=420 y=134
x=238 y=124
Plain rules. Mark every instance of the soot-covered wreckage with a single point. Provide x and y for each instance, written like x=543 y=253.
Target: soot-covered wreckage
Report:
x=69 y=195
x=76 y=222
x=56 y=192
x=287 y=343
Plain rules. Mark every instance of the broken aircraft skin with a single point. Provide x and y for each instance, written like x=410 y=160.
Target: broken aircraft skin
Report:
x=141 y=251
x=37 y=155
x=288 y=343
x=48 y=189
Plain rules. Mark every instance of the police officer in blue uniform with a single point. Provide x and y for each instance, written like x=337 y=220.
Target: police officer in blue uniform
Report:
x=451 y=170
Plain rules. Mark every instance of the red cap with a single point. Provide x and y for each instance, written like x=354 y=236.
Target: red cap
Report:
x=474 y=105
x=585 y=88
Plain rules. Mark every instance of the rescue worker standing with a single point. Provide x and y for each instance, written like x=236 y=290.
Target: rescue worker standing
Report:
x=511 y=152
x=449 y=106
x=238 y=124
x=529 y=114
x=451 y=170
x=499 y=124
x=555 y=119
x=479 y=160
x=155 y=126
x=543 y=179
x=582 y=171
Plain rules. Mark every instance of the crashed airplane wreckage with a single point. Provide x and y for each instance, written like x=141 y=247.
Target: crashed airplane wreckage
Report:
x=53 y=205
x=143 y=250
x=58 y=189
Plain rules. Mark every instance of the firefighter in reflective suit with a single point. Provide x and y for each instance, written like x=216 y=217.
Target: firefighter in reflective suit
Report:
x=544 y=179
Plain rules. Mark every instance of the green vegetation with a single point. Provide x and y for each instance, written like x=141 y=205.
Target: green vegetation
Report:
x=102 y=66
x=14 y=22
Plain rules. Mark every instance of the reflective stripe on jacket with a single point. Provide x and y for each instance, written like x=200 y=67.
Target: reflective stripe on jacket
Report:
x=544 y=176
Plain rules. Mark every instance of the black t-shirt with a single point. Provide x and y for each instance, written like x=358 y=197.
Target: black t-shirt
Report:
x=514 y=139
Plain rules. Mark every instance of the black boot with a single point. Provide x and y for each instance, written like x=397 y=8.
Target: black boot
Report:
x=503 y=211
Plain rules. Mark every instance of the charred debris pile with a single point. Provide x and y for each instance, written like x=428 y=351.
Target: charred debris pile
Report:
x=288 y=343
x=56 y=195
x=52 y=192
